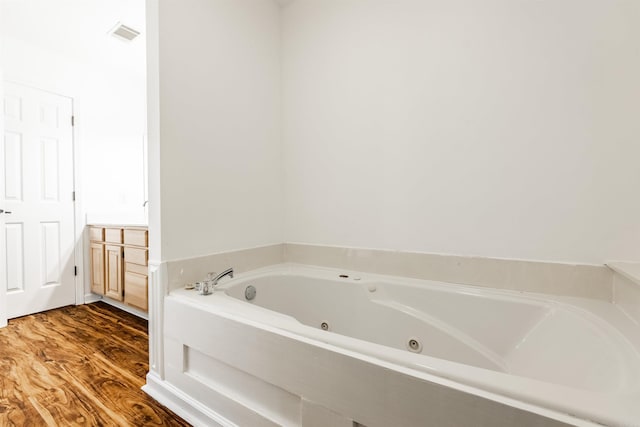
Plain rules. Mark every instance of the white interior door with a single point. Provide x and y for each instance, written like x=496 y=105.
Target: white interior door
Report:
x=37 y=199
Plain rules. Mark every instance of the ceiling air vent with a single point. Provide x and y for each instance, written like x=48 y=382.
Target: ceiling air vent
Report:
x=123 y=32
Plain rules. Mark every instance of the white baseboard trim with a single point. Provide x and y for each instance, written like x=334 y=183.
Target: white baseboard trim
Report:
x=91 y=298
x=121 y=306
x=182 y=405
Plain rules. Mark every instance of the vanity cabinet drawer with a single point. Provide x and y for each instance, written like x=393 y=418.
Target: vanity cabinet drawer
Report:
x=135 y=237
x=135 y=290
x=136 y=268
x=96 y=234
x=136 y=255
x=113 y=235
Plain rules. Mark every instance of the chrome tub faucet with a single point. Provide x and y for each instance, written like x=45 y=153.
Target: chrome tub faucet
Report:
x=206 y=287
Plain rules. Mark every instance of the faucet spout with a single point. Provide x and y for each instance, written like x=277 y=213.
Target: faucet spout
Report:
x=227 y=272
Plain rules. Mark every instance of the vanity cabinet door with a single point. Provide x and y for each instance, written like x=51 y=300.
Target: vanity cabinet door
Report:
x=114 y=272
x=97 y=268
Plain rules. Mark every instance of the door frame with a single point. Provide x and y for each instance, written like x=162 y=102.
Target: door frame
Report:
x=3 y=285
x=78 y=219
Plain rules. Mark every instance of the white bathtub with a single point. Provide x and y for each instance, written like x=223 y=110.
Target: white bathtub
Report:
x=568 y=359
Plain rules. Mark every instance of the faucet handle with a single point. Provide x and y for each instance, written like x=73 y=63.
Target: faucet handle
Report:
x=211 y=276
x=204 y=288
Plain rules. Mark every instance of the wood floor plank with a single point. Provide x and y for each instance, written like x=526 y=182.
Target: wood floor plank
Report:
x=54 y=408
x=80 y=365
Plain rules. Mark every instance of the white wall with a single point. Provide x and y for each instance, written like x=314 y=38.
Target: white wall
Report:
x=500 y=128
x=62 y=46
x=220 y=145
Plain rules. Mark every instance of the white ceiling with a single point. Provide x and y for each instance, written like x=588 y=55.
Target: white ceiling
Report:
x=78 y=28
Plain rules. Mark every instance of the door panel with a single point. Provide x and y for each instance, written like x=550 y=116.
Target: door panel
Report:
x=51 y=260
x=12 y=166
x=37 y=181
x=12 y=107
x=50 y=174
x=14 y=236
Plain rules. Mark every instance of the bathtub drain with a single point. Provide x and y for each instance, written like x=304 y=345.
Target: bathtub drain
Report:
x=414 y=345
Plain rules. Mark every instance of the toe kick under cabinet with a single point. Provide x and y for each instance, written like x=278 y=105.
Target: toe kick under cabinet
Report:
x=119 y=264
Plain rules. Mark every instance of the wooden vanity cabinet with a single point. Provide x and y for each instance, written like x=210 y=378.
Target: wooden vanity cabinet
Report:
x=119 y=263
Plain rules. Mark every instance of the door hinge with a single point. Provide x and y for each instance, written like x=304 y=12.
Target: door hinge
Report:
x=73 y=120
x=75 y=270
x=73 y=196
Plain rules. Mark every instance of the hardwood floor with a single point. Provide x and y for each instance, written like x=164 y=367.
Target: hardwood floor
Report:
x=77 y=365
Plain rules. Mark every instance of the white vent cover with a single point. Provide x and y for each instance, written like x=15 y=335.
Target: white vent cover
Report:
x=123 y=32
